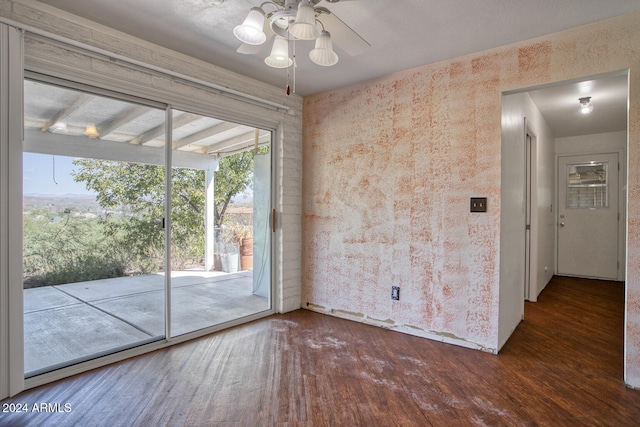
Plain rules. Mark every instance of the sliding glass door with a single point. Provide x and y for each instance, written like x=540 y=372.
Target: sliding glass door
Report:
x=93 y=237
x=218 y=202
x=98 y=276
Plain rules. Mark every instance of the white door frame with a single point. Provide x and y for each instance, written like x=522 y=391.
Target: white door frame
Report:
x=11 y=126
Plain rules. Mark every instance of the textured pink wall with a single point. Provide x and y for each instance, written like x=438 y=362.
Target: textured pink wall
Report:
x=389 y=167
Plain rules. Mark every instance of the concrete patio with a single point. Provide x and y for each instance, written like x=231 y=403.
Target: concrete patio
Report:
x=72 y=322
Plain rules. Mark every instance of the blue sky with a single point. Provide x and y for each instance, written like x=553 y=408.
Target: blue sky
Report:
x=39 y=176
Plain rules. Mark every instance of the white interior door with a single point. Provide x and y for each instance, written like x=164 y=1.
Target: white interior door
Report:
x=588 y=216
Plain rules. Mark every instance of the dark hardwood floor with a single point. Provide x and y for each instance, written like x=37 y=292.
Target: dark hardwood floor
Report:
x=563 y=366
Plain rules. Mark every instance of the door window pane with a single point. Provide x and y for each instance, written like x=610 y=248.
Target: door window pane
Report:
x=93 y=256
x=587 y=185
x=220 y=188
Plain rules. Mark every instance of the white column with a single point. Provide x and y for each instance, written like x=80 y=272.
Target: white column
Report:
x=209 y=216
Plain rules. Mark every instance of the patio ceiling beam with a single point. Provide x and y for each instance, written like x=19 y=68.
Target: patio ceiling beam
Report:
x=126 y=117
x=158 y=131
x=81 y=146
x=78 y=103
x=239 y=142
x=204 y=133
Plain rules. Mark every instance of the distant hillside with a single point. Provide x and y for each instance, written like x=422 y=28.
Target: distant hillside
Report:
x=58 y=203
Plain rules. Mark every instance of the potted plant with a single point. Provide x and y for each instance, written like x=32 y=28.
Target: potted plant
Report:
x=236 y=243
x=229 y=253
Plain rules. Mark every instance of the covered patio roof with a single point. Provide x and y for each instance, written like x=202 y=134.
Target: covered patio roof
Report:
x=64 y=121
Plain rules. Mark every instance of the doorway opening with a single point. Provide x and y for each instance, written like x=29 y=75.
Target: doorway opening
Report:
x=551 y=116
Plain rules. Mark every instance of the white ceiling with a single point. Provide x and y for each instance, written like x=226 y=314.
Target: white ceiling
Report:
x=559 y=104
x=402 y=34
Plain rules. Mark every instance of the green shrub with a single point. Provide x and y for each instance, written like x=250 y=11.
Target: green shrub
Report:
x=69 y=249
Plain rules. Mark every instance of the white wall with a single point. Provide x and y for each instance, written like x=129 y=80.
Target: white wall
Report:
x=515 y=108
x=604 y=143
x=512 y=216
x=542 y=202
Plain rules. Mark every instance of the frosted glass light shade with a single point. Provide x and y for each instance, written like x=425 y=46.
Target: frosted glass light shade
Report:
x=304 y=27
x=585 y=105
x=279 y=57
x=250 y=31
x=323 y=53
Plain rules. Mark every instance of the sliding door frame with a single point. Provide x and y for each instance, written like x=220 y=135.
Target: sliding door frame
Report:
x=11 y=128
x=98 y=82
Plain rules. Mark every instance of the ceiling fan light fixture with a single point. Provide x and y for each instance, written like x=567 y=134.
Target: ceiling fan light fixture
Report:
x=279 y=57
x=585 y=105
x=304 y=27
x=251 y=30
x=323 y=53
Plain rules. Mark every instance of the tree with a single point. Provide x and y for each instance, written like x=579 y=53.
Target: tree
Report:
x=133 y=193
x=136 y=192
x=233 y=177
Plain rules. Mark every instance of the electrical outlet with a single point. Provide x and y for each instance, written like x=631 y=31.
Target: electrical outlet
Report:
x=395 y=293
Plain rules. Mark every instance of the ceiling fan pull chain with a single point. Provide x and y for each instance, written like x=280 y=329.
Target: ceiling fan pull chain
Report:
x=287 y=89
x=295 y=65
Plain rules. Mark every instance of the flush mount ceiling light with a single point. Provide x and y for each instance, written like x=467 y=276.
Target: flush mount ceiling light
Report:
x=292 y=21
x=59 y=127
x=91 y=131
x=585 y=105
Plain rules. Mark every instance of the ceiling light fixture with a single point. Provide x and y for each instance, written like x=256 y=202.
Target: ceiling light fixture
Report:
x=279 y=57
x=304 y=27
x=59 y=127
x=323 y=53
x=91 y=131
x=291 y=20
x=585 y=105
x=250 y=31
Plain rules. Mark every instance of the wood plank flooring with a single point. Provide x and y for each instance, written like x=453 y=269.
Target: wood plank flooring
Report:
x=563 y=366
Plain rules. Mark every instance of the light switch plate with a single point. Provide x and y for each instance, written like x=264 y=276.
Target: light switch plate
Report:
x=478 y=204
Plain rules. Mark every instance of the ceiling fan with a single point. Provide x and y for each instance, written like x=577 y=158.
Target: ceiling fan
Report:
x=293 y=20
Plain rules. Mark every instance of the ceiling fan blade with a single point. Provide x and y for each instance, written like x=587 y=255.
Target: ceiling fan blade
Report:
x=252 y=49
x=341 y=34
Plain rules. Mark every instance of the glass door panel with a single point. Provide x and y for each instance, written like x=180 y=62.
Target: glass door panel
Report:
x=587 y=185
x=220 y=246
x=93 y=255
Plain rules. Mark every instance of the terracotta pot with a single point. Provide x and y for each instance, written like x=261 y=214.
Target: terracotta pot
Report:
x=246 y=246
x=246 y=253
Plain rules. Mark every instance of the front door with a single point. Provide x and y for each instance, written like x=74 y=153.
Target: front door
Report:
x=588 y=216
